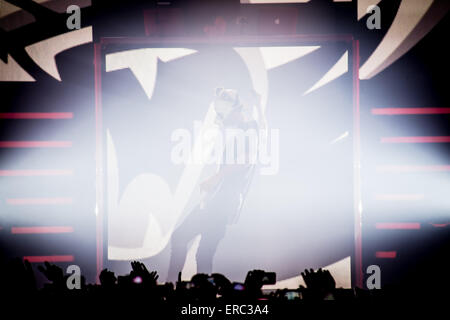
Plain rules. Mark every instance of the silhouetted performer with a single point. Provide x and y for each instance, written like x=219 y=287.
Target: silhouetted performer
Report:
x=224 y=192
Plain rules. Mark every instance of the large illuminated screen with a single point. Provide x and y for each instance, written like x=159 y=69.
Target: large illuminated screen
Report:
x=226 y=158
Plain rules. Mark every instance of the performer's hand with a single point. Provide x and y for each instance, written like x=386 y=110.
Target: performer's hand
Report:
x=204 y=186
x=262 y=121
x=256 y=97
x=209 y=184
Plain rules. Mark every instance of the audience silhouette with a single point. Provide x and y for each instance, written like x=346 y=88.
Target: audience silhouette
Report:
x=18 y=277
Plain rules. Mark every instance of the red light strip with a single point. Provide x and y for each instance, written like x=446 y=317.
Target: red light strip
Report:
x=38 y=201
x=406 y=168
x=33 y=230
x=98 y=155
x=36 y=115
x=440 y=225
x=35 y=144
x=428 y=139
x=395 y=225
x=31 y=173
x=66 y=258
x=386 y=254
x=356 y=171
x=403 y=111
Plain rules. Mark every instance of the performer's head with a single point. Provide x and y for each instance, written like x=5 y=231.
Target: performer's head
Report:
x=227 y=106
